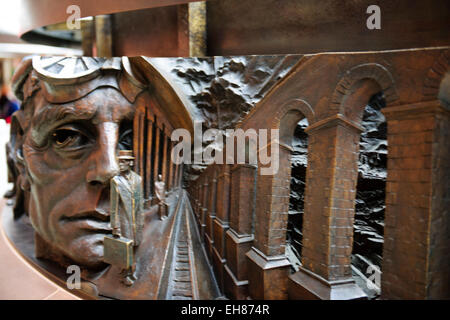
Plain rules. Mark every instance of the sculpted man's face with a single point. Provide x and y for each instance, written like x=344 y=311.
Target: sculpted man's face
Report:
x=70 y=153
x=125 y=165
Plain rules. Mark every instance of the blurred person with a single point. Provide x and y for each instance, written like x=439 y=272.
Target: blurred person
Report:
x=8 y=105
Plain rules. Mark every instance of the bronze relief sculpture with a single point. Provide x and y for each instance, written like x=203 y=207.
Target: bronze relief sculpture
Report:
x=125 y=217
x=74 y=146
x=83 y=120
x=91 y=152
x=71 y=136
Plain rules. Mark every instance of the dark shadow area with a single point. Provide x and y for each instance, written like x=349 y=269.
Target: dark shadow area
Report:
x=370 y=196
x=299 y=160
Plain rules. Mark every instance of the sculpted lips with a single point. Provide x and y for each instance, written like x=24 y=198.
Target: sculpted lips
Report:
x=97 y=221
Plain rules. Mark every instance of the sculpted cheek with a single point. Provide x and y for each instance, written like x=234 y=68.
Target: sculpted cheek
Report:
x=39 y=172
x=46 y=168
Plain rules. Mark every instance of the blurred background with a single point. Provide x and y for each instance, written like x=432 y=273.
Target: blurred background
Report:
x=12 y=50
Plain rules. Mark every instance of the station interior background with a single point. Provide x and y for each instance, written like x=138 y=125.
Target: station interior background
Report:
x=12 y=50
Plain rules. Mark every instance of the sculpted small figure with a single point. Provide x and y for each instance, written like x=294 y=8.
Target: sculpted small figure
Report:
x=160 y=192
x=126 y=217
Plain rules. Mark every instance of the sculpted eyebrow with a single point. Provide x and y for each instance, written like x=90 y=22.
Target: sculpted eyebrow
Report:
x=56 y=113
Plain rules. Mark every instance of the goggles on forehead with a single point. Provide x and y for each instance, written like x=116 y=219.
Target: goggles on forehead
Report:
x=65 y=79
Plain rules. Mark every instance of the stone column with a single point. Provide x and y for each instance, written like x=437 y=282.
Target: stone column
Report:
x=87 y=38
x=332 y=173
x=268 y=267
x=138 y=139
x=165 y=162
x=177 y=170
x=416 y=252
x=174 y=175
x=197 y=197
x=104 y=36
x=221 y=221
x=149 y=149
x=157 y=155
x=199 y=202
x=212 y=194
x=180 y=175
x=169 y=156
x=239 y=238
x=204 y=205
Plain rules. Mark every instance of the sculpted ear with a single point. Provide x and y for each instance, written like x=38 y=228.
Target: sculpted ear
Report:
x=17 y=136
x=22 y=179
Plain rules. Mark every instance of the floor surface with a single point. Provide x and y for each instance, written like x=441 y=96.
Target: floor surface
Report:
x=19 y=280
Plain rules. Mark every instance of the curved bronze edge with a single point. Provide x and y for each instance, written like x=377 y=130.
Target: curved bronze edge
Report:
x=21 y=238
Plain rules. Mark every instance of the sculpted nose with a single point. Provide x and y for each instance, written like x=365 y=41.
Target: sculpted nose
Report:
x=104 y=164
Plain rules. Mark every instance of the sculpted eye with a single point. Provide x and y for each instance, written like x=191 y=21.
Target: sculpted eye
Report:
x=126 y=140
x=69 y=138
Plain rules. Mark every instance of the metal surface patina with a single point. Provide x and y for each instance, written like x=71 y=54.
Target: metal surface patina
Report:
x=90 y=155
x=351 y=203
x=126 y=194
x=73 y=147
